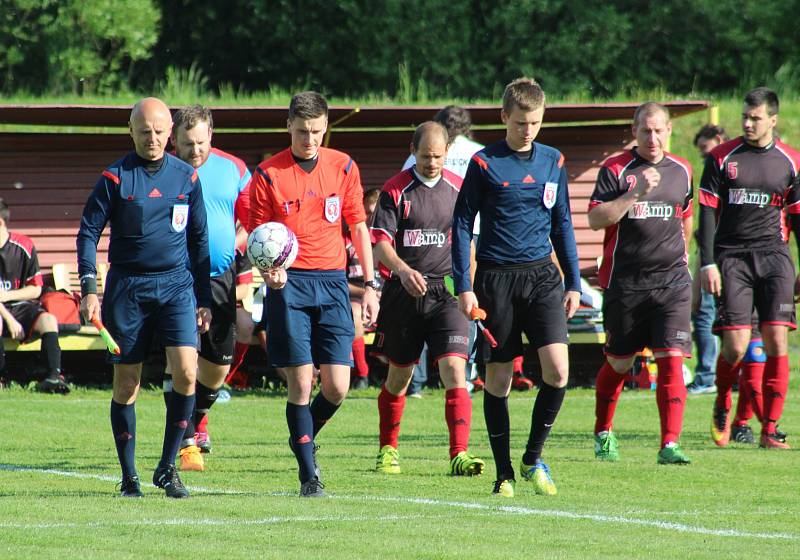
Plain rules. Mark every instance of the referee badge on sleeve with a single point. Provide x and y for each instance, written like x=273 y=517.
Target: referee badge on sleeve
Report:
x=332 y=208
x=549 y=194
x=180 y=216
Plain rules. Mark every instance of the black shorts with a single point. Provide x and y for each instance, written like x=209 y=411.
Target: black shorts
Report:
x=659 y=319
x=762 y=279
x=525 y=298
x=406 y=323
x=26 y=313
x=217 y=344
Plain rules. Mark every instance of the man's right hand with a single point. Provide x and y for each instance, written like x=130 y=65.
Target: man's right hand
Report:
x=15 y=330
x=413 y=282
x=651 y=180
x=90 y=307
x=466 y=301
x=275 y=278
x=710 y=280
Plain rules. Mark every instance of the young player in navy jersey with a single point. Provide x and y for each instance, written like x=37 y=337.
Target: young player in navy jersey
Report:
x=520 y=189
x=411 y=228
x=21 y=313
x=747 y=183
x=643 y=200
x=158 y=281
x=226 y=197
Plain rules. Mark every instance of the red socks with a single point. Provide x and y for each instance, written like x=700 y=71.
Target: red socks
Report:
x=360 y=357
x=671 y=397
x=775 y=385
x=239 y=352
x=750 y=398
x=726 y=377
x=458 y=413
x=607 y=389
x=390 y=411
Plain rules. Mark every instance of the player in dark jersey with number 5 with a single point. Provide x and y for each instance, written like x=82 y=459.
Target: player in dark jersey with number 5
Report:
x=643 y=199
x=746 y=185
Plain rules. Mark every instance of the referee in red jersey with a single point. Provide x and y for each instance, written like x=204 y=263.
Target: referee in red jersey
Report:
x=311 y=189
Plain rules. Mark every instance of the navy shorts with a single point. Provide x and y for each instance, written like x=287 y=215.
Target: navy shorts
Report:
x=217 y=344
x=521 y=298
x=310 y=320
x=762 y=279
x=659 y=319
x=406 y=323
x=139 y=306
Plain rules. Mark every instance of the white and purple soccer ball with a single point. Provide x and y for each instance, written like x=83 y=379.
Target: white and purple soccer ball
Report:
x=272 y=245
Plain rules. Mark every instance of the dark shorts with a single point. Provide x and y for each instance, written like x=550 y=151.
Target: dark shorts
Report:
x=763 y=280
x=659 y=319
x=525 y=298
x=137 y=307
x=406 y=323
x=310 y=320
x=217 y=344
x=26 y=313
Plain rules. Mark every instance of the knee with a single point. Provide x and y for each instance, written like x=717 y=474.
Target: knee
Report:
x=621 y=365
x=397 y=380
x=46 y=323
x=335 y=395
x=733 y=353
x=557 y=378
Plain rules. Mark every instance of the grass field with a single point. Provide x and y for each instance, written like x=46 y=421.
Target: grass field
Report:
x=58 y=469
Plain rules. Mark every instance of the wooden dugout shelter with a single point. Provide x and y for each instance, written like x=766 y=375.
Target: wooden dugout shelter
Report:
x=47 y=173
x=46 y=176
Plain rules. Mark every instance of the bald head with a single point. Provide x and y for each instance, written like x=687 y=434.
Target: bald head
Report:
x=150 y=126
x=429 y=147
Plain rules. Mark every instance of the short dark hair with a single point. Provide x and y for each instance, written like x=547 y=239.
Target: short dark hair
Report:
x=456 y=120
x=525 y=93
x=647 y=109
x=426 y=128
x=188 y=117
x=5 y=214
x=371 y=195
x=308 y=105
x=763 y=96
x=709 y=131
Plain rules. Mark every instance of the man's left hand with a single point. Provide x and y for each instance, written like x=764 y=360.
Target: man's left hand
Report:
x=572 y=301
x=203 y=319
x=369 y=306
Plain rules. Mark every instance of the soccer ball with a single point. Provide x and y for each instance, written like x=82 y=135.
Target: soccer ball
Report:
x=270 y=245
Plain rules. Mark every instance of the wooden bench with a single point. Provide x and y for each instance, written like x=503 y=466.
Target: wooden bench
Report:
x=65 y=277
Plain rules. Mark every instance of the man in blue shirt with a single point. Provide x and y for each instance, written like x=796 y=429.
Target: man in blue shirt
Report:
x=225 y=179
x=520 y=189
x=158 y=282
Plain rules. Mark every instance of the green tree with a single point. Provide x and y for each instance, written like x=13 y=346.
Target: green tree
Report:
x=74 y=45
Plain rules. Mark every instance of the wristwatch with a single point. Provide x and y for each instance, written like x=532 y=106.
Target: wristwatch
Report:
x=372 y=284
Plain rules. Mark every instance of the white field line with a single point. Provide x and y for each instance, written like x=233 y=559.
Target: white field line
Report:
x=474 y=506
x=107 y=478
x=215 y=522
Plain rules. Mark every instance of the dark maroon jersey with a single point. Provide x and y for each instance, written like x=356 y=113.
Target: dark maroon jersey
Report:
x=19 y=265
x=416 y=219
x=646 y=249
x=749 y=187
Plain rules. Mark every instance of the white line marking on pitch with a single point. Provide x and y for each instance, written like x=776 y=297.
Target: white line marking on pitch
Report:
x=191 y=522
x=518 y=510
x=496 y=509
x=107 y=478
